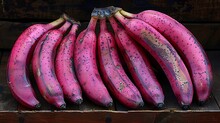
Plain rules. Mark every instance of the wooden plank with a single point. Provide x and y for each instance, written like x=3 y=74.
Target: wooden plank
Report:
x=7 y=102
x=110 y=117
x=188 y=117
x=184 y=10
x=88 y=117
x=9 y=117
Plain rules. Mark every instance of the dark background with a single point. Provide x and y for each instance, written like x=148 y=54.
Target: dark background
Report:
x=182 y=10
x=202 y=17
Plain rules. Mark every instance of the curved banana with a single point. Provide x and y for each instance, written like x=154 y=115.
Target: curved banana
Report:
x=189 y=49
x=139 y=67
x=18 y=63
x=165 y=54
x=112 y=71
x=43 y=66
x=85 y=63
x=65 y=69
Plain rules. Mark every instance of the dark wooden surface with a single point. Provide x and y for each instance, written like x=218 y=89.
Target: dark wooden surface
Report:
x=182 y=10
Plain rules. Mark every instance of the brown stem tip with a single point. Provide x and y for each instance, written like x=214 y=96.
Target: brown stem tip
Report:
x=99 y=13
x=70 y=19
x=113 y=10
x=37 y=106
x=63 y=106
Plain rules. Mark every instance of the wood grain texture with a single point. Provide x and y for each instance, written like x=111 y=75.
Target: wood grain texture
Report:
x=188 y=117
x=182 y=10
x=9 y=117
x=89 y=117
x=110 y=117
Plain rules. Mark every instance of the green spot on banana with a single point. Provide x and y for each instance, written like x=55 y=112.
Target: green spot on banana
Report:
x=81 y=40
x=118 y=66
x=38 y=72
x=121 y=87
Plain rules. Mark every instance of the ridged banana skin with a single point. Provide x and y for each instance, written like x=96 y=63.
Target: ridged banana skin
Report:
x=139 y=67
x=189 y=48
x=85 y=63
x=44 y=70
x=112 y=71
x=18 y=63
x=166 y=56
x=65 y=68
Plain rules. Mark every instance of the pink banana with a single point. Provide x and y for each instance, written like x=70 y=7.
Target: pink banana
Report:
x=112 y=71
x=165 y=54
x=18 y=63
x=189 y=48
x=65 y=69
x=139 y=66
x=86 y=66
x=43 y=66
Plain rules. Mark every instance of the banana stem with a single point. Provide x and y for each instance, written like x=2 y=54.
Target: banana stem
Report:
x=98 y=13
x=74 y=28
x=65 y=27
x=103 y=26
x=92 y=23
x=56 y=22
x=68 y=18
x=114 y=24
x=127 y=14
x=112 y=10
x=121 y=18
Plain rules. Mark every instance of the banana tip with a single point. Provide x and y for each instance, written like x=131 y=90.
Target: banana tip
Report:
x=63 y=106
x=114 y=9
x=70 y=19
x=185 y=107
x=201 y=103
x=160 y=105
x=79 y=101
x=109 y=104
x=37 y=106
x=141 y=104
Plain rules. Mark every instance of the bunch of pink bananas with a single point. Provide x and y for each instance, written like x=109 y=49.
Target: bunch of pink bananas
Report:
x=52 y=65
x=110 y=65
